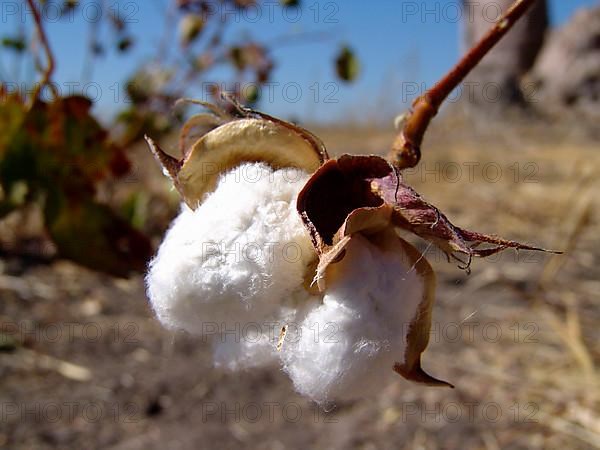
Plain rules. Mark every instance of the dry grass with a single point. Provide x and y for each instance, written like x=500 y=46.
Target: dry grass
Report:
x=518 y=337
x=539 y=189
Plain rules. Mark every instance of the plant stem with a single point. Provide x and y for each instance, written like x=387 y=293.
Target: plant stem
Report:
x=47 y=74
x=406 y=149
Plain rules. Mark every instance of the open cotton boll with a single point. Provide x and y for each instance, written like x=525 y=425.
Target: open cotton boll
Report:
x=346 y=348
x=236 y=257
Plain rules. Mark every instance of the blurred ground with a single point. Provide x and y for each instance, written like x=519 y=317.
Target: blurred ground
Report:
x=84 y=365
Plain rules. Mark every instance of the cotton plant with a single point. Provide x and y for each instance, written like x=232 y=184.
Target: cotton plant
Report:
x=288 y=258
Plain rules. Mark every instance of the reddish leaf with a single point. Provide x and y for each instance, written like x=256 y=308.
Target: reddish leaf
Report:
x=59 y=152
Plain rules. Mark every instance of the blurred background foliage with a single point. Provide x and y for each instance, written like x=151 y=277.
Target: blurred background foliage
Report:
x=55 y=156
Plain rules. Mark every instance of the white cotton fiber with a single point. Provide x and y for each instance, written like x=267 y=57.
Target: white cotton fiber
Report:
x=346 y=348
x=236 y=258
x=244 y=352
x=254 y=344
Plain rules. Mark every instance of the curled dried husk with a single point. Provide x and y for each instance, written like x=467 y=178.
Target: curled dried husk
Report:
x=215 y=143
x=367 y=195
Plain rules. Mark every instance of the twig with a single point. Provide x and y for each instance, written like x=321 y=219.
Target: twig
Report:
x=87 y=69
x=406 y=149
x=47 y=74
x=19 y=57
x=30 y=359
x=306 y=37
x=170 y=15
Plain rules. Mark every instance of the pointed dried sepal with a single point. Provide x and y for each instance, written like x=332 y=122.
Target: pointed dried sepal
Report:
x=170 y=165
x=418 y=331
x=231 y=141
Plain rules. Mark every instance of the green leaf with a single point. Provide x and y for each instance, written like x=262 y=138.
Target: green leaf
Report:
x=124 y=44
x=13 y=199
x=91 y=234
x=69 y=5
x=236 y=54
x=7 y=343
x=12 y=115
x=17 y=155
x=135 y=209
x=251 y=95
x=190 y=27
x=347 y=65
x=14 y=43
x=147 y=82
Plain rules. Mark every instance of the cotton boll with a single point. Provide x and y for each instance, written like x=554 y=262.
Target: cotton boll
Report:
x=236 y=257
x=346 y=348
x=254 y=344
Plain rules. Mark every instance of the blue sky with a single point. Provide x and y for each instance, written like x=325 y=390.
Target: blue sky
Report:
x=402 y=45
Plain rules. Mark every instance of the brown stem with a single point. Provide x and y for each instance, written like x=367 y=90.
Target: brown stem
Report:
x=406 y=149
x=47 y=74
